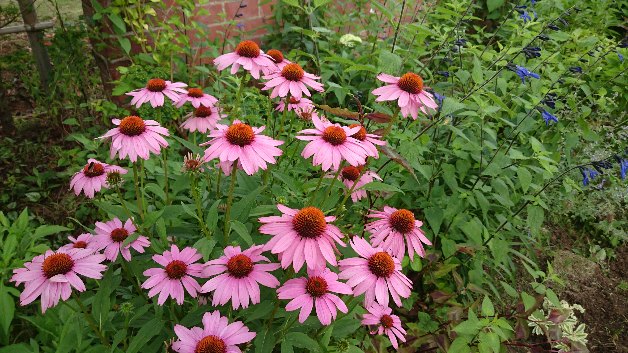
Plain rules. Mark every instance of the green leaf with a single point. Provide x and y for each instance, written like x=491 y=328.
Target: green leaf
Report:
x=102 y=299
x=509 y=289
x=144 y=335
x=43 y=231
x=242 y=231
x=264 y=342
x=389 y=62
x=525 y=178
x=477 y=74
x=70 y=336
x=469 y=327
x=118 y=23
x=205 y=247
x=434 y=217
x=528 y=301
x=294 y=3
x=459 y=345
x=494 y=4
x=319 y=3
x=301 y=340
x=16 y=348
x=379 y=186
x=7 y=310
x=535 y=218
x=451 y=105
x=487 y=307
x=125 y=43
x=286 y=347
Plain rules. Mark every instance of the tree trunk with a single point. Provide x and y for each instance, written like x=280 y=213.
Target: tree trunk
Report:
x=42 y=60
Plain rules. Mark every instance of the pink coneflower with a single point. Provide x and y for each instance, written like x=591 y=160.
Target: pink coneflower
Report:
x=315 y=291
x=295 y=104
x=111 y=235
x=408 y=91
x=239 y=273
x=216 y=336
x=248 y=55
x=155 y=91
x=385 y=323
x=374 y=273
x=291 y=79
x=93 y=177
x=368 y=140
x=306 y=114
x=243 y=143
x=331 y=143
x=53 y=274
x=300 y=236
x=193 y=163
x=278 y=59
x=176 y=274
x=204 y=119
x=197 y=97
x=136 y=137
x=351 y=174
x=395 y=228
x=83 y=241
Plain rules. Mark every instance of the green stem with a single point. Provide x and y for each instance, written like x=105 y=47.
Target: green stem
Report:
x=140 y=208
x=393 y=121
x=236 y=105
x=234 y=171
x=218 y=177
x=126 y=209
x=90 y=320
x=142 y=174
x=283 y=116
x=199 y=207
x=318 y=185
x=349 y=192
x=166 y=188
x=333 y=181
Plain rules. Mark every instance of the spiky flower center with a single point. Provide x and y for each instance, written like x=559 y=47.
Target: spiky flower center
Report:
x=93 y=169
x=351 y=173
x=240 y=134
x=57 y=264
x=309 y=222
x=276 y=55
x=176 y=269
x=305 y=115
x=402 y=221
x=316 y=286
x=119 y=234
x=240 y=266
x=156 y=85
x=80 y=245
x=411 y=83
x=386 y=321
x=292 y=72
x=211 y=344
x=132 y=126
x=195 y=92
x=202 y=111
x=248 y=49
x=361 y=134
x=294 y=100
x=381 y=264
x=334 y=135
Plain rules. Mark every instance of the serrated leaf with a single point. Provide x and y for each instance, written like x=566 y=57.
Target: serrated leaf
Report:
x=379 y=186
x=487 y=307
x=451 y=105
x=525 y=178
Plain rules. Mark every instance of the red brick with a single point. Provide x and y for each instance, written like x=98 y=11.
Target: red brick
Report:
x=250 y=11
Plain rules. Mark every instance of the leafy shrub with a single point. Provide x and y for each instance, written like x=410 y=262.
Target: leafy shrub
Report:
x=509 y=125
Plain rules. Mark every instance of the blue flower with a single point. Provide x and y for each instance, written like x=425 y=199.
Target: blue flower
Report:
x=443 y=73
x=439 y=98
x=525 y=16
x=576 y=69
x=240 y=25
x=623 y=168
x=548 y=117
x=621 y=57
x=522 y=72
x=586 y=179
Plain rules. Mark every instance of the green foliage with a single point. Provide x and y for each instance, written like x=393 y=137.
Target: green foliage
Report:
x=483 y=174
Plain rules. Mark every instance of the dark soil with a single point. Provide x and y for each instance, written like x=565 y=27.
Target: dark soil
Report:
x=602 y=291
